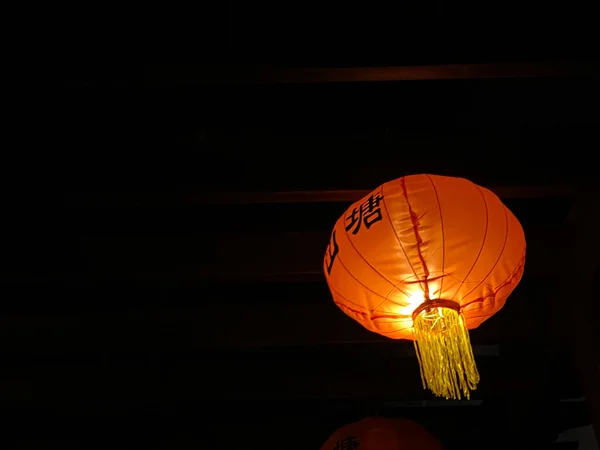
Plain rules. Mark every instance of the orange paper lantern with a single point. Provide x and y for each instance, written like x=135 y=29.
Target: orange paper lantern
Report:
x=380 y=433
x=425 y=258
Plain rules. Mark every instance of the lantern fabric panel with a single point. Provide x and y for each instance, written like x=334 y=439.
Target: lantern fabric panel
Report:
x=432 y=237
x=380 y=433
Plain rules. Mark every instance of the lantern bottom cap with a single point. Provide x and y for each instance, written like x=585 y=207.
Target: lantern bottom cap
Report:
x=444 y=352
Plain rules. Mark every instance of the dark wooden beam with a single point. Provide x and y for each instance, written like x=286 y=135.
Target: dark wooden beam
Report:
x=243 y=257
x=277 y=75
x=579 y=318
x=223 y=316
x=78 y=382
x=519 y=445
x=541 y=360
x=190 y=257
x=195 y=198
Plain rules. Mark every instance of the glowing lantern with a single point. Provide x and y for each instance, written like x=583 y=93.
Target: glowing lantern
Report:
x=380 y=433
x=426 y=258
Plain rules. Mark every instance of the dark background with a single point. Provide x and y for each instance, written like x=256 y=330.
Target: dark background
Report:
x=149 y=298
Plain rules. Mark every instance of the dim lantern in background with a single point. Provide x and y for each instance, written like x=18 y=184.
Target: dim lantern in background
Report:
x=426 y=258
x=380 y=433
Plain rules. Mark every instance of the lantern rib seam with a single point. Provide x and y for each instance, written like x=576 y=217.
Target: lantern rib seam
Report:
x=497 y=259
x=487 y=218
x=392 y=284
x=396 y=233
x=517 y=271
x=362 y=314
x=359 y=282
x=437 y=197
x=415 y=223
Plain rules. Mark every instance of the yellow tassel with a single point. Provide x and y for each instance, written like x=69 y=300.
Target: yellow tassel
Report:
x=445 y=354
